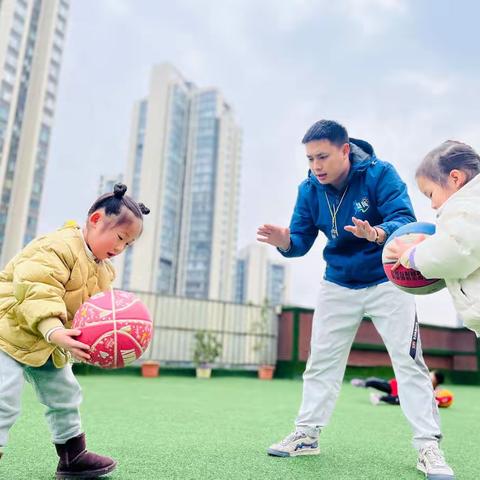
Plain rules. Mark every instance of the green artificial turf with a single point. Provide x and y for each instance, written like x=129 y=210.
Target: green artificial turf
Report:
x=184 y=428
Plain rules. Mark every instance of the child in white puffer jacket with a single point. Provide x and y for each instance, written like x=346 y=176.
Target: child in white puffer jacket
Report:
x=448 y=175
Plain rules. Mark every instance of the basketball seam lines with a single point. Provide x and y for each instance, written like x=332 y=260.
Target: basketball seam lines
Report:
x=99 y=339
x=103 y=322
x=114 y=315
x=101 y=309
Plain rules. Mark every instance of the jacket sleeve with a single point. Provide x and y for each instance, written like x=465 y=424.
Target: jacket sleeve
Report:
x=393 y=202
x=453 y=252
x=303 y=230
x=39 y=286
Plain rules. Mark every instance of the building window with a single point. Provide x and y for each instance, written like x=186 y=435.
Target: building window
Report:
x=56 y=54
x=15 y=40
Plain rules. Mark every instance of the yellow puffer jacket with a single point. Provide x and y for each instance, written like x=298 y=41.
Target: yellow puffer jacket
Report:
x=42 y=287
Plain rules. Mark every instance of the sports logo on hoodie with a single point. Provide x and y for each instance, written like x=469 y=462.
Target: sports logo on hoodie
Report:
x=361 y=206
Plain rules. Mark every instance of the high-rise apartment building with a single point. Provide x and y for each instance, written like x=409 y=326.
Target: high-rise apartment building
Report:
x=32 y=35
x=184 y=162
x=258 y=278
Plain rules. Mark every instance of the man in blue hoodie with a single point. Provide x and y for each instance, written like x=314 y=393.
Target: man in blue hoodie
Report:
x=357 y=201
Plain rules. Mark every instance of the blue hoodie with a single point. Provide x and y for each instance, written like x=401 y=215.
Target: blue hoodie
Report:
x=375 y=193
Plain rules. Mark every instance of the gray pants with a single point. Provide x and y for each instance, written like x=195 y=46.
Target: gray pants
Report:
x=56 y=388
x=336 y=320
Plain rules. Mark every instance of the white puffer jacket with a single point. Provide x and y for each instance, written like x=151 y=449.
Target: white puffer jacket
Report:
x=453 y=253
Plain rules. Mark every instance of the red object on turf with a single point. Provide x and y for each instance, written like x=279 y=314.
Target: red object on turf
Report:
x=444 y=398
x=394 y=387
x=117 y=326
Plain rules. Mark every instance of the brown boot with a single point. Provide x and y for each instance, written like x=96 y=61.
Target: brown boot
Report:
x=76 y=462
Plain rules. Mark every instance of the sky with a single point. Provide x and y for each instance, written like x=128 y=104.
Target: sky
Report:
x=403 y=75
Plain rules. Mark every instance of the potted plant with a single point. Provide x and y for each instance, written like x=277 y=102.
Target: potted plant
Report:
x=207 y=350
x=261 y=345
x=150 y=368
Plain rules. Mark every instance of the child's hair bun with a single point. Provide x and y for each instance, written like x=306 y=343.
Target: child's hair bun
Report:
x=145 y=210
x=119 y=190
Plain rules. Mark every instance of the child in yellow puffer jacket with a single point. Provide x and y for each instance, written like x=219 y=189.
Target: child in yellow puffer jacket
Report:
x=41 y=288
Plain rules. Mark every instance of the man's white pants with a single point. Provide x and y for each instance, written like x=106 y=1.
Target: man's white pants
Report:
x=336 y=320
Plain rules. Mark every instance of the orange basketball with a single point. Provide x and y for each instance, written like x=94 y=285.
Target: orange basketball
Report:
x=444 y=398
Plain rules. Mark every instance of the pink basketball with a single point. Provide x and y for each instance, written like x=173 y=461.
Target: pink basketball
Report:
x=117 y=326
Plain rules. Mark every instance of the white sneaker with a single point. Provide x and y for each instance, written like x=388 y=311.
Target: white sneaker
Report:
x=357 y=382
x=297 y=443
x=432 y=463
x=374 y=398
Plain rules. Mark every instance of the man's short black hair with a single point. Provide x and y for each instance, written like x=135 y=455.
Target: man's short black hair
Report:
x=439 y=376
x=327 y=130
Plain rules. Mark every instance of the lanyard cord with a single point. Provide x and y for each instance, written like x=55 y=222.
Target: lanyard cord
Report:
x=333 y=212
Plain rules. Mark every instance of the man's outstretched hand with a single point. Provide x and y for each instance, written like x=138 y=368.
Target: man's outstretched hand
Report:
x=274 y=235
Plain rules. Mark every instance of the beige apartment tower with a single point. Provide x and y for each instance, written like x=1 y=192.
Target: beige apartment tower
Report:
x=184 y=164
x=259 y=278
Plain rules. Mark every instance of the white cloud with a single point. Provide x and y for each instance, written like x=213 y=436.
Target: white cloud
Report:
x=373 y=17
x=292 y=14
x=434 y=84
x=117 y=8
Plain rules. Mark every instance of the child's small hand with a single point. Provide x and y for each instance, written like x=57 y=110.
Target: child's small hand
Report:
x=397 y=250
x=63 y=338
